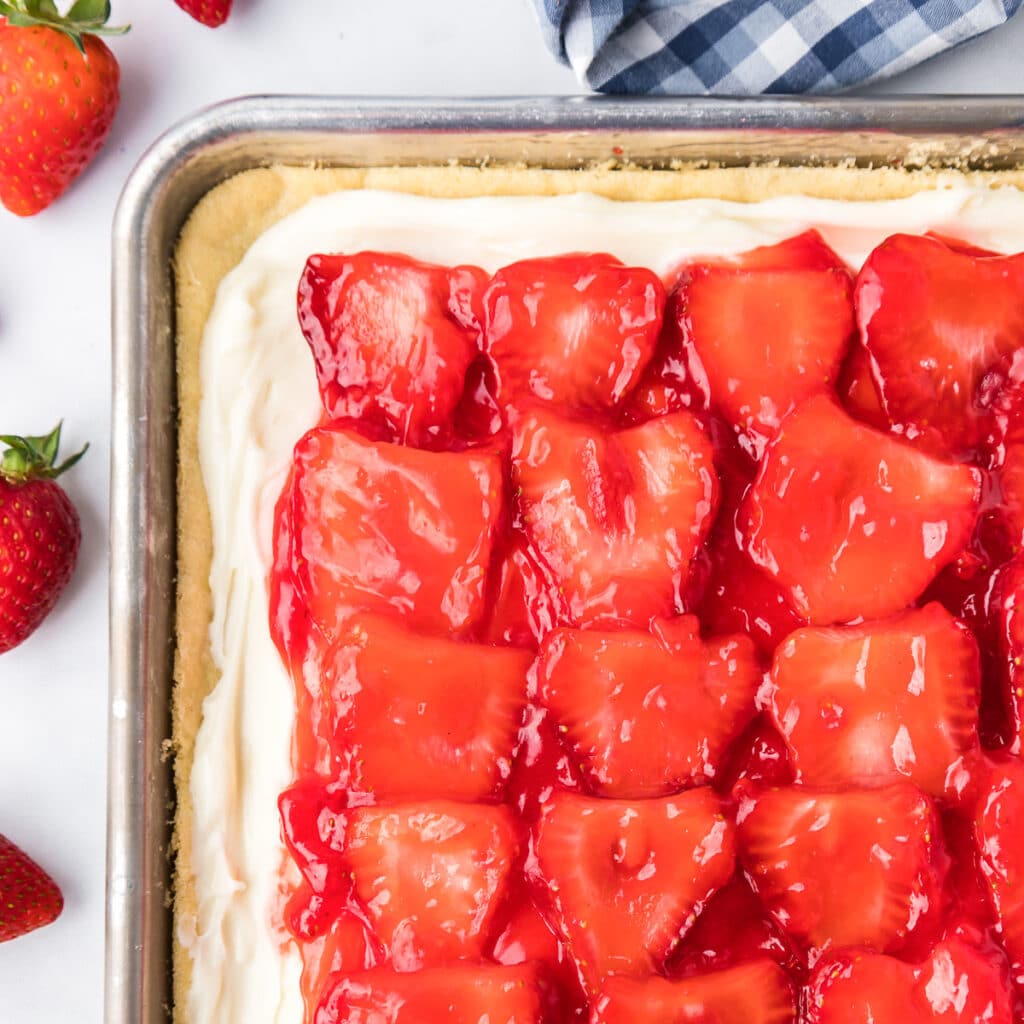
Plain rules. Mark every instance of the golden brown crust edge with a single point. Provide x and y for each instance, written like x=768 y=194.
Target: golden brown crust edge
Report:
x=232 y=216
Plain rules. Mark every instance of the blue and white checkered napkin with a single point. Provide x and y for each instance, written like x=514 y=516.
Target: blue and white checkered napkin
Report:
x=741 y=47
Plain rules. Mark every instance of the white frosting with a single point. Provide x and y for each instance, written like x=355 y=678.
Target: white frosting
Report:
x=259 y=396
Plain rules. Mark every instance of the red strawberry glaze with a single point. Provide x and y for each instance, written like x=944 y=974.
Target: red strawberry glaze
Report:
x=517 y=794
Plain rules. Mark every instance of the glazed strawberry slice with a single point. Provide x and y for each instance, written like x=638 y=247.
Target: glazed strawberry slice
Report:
x=1001 y=397
x=392 y=339
x=313 y=828
x=648 y=714
x=388 y=690
x=529 y=936
x=759 y=755
x=526 y=607
x=796 y=843
x=1007 y=610
x=934 y=320
x=675 y=378
x=854 y=523
x=857 y=392
x=733 y=928
x=758 y=992
x=615 y=519
x=629 y=877
x=998 y=814
x=573 y=330
x=464 y=994
x=770 y=327
x=431 y=876
x=347 y=947
x=729 y=593
x=958 y=983
x=385 y=528
x=874 y=704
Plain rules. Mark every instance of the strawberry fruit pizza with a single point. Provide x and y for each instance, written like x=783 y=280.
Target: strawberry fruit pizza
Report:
x=651 y=629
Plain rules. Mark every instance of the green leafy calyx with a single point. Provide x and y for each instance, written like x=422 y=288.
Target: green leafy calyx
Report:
x=84 y=18
x=34 y=458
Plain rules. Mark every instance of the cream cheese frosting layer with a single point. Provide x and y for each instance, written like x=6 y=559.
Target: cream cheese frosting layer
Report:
x=259 y=395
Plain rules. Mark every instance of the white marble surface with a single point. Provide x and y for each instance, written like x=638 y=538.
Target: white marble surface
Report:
x=54 y=361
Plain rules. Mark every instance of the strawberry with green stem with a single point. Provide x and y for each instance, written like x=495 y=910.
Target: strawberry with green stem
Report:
x=60 y=86
x=40 y=533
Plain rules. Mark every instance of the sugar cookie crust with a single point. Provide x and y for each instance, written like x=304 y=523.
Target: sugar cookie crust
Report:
x=215 y=238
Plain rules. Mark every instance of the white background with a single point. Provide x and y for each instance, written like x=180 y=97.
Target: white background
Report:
x=55 y=362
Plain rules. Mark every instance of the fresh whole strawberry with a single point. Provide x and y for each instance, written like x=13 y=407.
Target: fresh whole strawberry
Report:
x=62 y=86
x=29 y=898
x=39 y=534
x=212 y=13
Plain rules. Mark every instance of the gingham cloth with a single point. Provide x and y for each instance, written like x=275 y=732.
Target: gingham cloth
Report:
x=741 y=47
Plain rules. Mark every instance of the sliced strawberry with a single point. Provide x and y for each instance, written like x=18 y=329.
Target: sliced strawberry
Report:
x=733 y=928
x=854 y=523
x=392 y=339
x=969 y=587
x=758 y=992
x=863 y=988
x=347 y=947
x=574 y=330
x=873 y=704
x=648 y=715
x=615 y=519
x=729 y=592
x=1000 y=399
x=795 y=844
x=525 y=608
x=1007 y=609
x=770 y=328
x=410 y=718
x=542 y=766
x=857 y=392
x=759 y=755
x=966 y=982
x=934 y=319
x=464 y=994
x=999 y=812
x=527 y=937
x=968 y=896
x=739 y=596
x=431 y=876
x=675 y=378
x=629 y=877
x=313 y=827
x=959 y=983
x=385 y=528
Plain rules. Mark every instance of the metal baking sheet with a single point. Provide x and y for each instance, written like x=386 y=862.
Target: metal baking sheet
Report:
x=971 y=133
